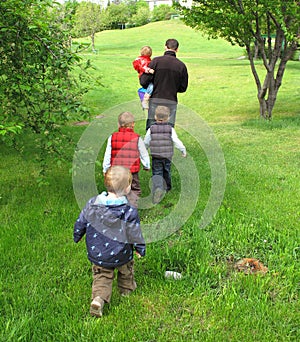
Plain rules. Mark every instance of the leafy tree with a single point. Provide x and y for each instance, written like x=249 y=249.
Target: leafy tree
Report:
x=88 y=20
x=115 y=16
x=142 y=17
x=37 y=92
x=162 y=12
x=65 y=16
x=133 y=6
x=245 y=22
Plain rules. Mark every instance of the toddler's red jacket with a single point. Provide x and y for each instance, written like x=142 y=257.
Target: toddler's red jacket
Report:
x=141 y=63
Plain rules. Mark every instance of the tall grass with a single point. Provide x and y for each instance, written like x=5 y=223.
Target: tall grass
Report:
x=45 y=277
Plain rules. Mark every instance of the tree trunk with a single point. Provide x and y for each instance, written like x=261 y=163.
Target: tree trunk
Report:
x=268 y=89
x=267 y=93
x=256 y=50
x=93 y=40
x=272 y=85
x=266 y=107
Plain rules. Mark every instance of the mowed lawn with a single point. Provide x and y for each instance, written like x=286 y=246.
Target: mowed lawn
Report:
x=46 y=278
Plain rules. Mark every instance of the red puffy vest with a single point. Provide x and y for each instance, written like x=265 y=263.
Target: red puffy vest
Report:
x=124 y=149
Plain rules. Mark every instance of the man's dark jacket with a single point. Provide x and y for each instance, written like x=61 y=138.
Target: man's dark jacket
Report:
x=170 y=77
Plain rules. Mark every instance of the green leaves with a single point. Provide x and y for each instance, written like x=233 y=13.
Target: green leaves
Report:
x=36 y=84
x=268 y=29
x=237 y=20
x=11 y=127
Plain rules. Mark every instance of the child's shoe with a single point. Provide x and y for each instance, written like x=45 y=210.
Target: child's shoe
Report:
x=126 y=292
x=145 y=102
x=158 y=195
x=97 y=307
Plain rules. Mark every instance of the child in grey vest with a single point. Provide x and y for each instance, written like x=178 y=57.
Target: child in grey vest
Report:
x=161 y=137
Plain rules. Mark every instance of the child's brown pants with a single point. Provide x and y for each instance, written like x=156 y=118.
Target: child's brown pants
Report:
x=103 y=280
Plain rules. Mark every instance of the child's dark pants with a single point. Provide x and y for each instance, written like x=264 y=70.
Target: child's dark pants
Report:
x=161 y=173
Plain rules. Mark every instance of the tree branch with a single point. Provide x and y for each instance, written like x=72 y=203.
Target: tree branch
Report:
x=240 y=3
x=46 y=46
x=276 y=23
x=253 y=69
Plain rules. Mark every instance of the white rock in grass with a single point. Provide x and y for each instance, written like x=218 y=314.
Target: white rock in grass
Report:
x=174 y=275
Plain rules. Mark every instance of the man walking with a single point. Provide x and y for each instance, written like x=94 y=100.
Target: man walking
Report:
x=170 y=77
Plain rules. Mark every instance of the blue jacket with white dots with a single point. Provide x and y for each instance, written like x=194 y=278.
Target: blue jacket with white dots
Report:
x=112 y=231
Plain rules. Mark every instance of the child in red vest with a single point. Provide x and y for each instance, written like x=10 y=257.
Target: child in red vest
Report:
x=126 y=148
x=140 y=64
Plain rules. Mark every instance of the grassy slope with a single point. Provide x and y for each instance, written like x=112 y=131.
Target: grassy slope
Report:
x=45 y=278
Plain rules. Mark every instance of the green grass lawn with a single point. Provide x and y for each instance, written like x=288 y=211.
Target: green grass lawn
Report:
x=46 y=278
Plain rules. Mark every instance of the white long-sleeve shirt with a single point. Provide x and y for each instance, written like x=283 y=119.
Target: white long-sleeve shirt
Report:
x=176 y=141
x=144 y=156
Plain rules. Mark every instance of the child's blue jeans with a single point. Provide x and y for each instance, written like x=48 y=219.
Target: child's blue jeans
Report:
x=149 y=89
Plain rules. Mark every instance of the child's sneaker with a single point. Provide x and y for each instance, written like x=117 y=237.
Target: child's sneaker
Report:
x=97 y=307
x=145 y=102
x=158 y=195
x=126 y=292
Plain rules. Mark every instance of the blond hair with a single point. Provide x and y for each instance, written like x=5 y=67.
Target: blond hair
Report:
x=162 y=113
x=117 y=180
x=146 y=51
x=126 y=119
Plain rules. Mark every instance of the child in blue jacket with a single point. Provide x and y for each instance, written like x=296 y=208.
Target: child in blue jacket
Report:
x=113 y=232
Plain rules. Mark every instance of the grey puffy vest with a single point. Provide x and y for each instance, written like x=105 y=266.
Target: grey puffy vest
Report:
x=161 y=144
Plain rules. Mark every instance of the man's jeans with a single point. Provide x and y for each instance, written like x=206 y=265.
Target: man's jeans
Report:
x=160 y=102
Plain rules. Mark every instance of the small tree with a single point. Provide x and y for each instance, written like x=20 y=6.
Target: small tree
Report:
x=116 y=16
x=142 y=17
x=88 y=20
x=37 y=91
x=162 y=12
x=65 y=17
x=245 y=22
x=133 y=6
